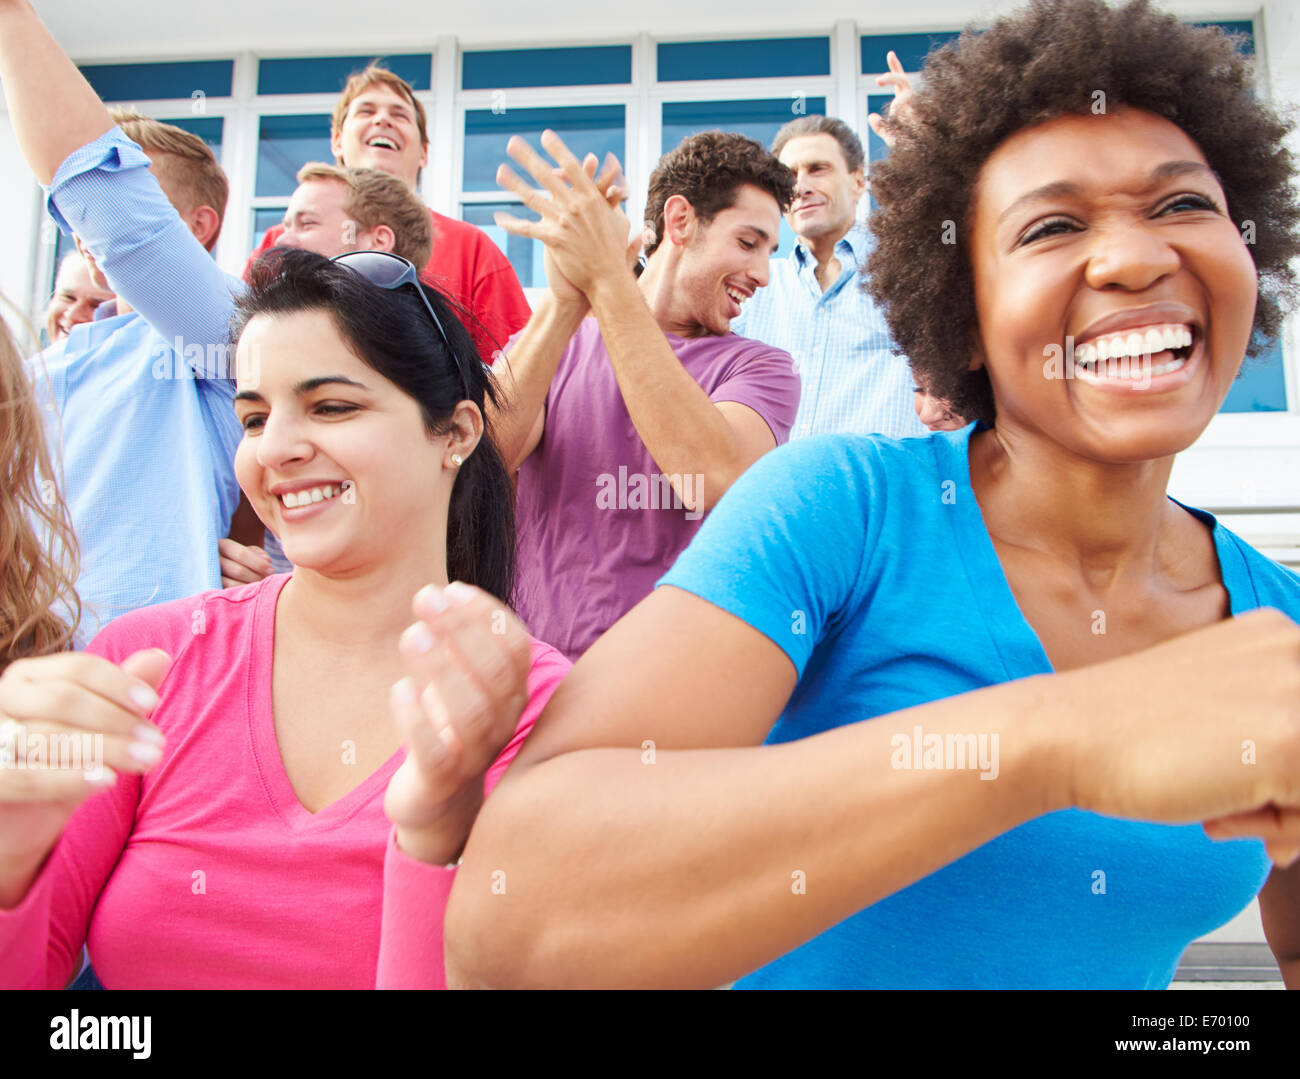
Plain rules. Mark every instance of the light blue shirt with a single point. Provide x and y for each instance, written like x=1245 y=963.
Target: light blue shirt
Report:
x=138 y=411
x=868 y=563
x=851 y=380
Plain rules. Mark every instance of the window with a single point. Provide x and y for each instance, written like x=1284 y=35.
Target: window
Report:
x=761 y=58
x=160 y=82
x=284 y=145
x=328 y=74
x=597 y=129
x=497 y=69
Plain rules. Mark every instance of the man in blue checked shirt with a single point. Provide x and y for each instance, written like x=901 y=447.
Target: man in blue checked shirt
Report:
x=814 y=306
x=138 y=408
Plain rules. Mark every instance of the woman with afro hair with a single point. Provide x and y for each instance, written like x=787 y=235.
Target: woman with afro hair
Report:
x=986 y=708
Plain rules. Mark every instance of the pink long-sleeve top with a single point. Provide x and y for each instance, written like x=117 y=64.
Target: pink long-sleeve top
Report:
x=208 y=872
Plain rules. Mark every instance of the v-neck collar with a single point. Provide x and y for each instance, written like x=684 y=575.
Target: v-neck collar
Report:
x=1015 y=640
x=266 y=748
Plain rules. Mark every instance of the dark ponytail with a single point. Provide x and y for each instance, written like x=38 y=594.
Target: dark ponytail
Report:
x=392 y=333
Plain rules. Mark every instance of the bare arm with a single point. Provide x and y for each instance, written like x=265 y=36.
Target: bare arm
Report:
x=685 y=432
x=1279 y=906
x=616 y=868
x=524 y=375
x=586 y=240
x=53 y=108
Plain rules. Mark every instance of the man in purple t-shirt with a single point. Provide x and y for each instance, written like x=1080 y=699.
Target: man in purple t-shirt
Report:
x=627 y=427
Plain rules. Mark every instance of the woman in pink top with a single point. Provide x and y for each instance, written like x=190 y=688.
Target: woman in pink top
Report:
x=273 y=781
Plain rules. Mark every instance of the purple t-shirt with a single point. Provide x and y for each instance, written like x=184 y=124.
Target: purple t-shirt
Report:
x=598 y=523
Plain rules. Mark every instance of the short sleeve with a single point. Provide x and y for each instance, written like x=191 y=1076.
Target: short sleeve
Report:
x=783 y=549
x=766 y=381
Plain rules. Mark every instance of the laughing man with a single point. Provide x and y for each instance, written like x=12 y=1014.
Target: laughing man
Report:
x=631 y=406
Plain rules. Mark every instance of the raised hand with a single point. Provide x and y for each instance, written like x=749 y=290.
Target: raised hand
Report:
x=469 y=659
x=900 y=109
x=90 y=720
x=585 y=233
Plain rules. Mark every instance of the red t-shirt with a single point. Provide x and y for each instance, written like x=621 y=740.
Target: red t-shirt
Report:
x=469 y=268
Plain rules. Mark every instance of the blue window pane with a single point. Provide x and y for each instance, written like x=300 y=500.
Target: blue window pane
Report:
x=263 y=220
x=1244 y=30
x=1261 y=385
x=208 y=128
x=758 y=59
x=760 y=119
x=911 y=48
x=876 y=148
x=284 y=145
x=597 y=129
x=495 y=69
x=327 y=74
x=525 y=255
x=153 y=82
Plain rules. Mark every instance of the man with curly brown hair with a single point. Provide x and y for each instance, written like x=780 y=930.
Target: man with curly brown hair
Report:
x=627 y=427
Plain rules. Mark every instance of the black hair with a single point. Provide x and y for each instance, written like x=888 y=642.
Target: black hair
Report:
x=391 y=332
x=1057 y=58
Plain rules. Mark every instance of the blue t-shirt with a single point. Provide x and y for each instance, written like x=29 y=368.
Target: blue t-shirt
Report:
x=867 y=561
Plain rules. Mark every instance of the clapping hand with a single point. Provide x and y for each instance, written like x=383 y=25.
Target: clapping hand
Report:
x=586 y=234
x=469 y=659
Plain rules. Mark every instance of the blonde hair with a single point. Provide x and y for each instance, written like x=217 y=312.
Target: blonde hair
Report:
x=375 y=198
x=186 y=168
x=38 y=572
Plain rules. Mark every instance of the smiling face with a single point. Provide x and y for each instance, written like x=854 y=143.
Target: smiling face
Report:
x=76 y=296
x=725 y=262
x=1086 y=233
x=330 y=447
x=826 y=192
x=380 y=132
x=317 y=220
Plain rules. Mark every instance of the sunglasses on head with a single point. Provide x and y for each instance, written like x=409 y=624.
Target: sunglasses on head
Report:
x=390 y=271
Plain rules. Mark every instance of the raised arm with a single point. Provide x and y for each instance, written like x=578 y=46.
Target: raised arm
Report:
x=525 y=372
x=685 y=432
x=52 y=107
x=100 y=188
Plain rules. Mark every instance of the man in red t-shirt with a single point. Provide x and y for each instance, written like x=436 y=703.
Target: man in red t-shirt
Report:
x=378 y=123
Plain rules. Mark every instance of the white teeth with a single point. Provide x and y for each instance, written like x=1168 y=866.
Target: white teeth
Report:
x=388 y=144
x=1122 y=370
x=1136 y=343
x=295 y=499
